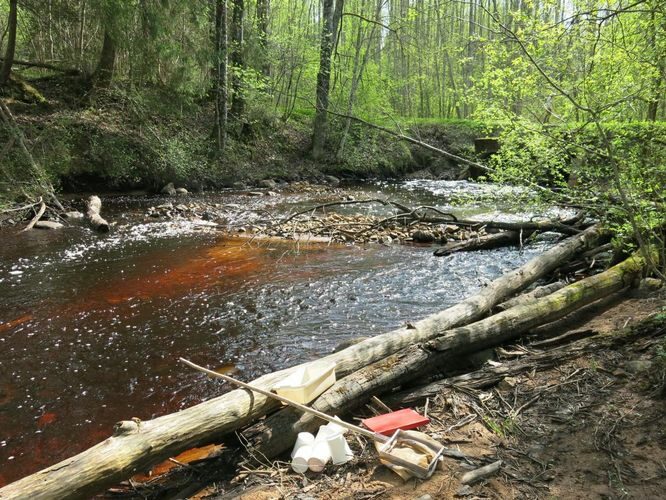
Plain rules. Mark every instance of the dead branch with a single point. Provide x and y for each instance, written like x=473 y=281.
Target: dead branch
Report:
x=43 y=65
x=38 y=215
x=411 y=140
x=342 y=203
x=474 y=476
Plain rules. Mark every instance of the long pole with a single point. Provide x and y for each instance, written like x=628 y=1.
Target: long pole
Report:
x=306 y=409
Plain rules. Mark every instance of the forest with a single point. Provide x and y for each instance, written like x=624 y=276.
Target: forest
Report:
x=204 y=91
x=459 y=205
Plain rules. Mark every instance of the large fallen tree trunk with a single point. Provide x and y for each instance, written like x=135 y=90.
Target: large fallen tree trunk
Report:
x=278 y=432
x=136 y=445
x=489 y=376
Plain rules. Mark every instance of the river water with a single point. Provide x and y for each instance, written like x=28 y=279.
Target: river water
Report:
x=91 y=325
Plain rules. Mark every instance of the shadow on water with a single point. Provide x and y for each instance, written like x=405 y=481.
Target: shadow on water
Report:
x=91 y=327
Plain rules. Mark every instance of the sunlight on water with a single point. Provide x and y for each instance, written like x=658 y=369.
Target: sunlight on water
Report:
x=91 y=326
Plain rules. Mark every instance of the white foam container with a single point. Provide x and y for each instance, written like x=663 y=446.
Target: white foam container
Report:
x=299 y=462
x=339 y=449
x=333 y=427
x=303 y=439
x=321 y=454
x=306 y=383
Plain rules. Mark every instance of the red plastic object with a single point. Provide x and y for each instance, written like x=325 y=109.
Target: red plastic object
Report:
x=388 y=423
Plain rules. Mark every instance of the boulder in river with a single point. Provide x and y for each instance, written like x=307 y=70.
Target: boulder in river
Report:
x=331 y=180
x=267 y=183
x=169 y=189
x=422 y=237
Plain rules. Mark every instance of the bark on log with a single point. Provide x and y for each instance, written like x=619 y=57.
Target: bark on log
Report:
x=93 y=215
x=278 y=432
x=485 y=242
x=489 y=376
x=532 y=295
x=36 y=64
x=136 y=445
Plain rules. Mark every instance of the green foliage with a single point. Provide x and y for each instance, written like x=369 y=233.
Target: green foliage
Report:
x=527 y=157
x=616 y=170
x=502 y=428
x=367 y=152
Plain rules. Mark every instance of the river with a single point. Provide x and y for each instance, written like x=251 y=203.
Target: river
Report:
x=91 y=325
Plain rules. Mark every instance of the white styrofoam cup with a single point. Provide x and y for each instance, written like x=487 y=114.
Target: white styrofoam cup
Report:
x=299 y=461
x=321 y=454
x=339 y=449
x=303 y=439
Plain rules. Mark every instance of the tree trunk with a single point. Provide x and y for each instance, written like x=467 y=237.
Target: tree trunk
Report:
x=11 y=43
x=263 y=10
x=237 y=59
x=485 y=242
x=136 y=445
x=490 y=375
x=277 y=433
x=107 y=62
x=82 y=26
x=221 y=56
x=331 y=11
x=357 y=73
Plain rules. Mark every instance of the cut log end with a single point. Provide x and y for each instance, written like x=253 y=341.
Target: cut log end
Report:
x=93 y=215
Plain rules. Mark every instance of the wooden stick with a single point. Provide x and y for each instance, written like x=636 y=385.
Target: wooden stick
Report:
x=355 y=428
x=474 y=476
x=40 y=212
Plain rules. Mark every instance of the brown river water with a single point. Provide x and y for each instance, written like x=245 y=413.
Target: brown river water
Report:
x=91 y=325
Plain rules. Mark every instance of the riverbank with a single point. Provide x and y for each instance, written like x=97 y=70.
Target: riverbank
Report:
x=124 y=139
x=583 y=427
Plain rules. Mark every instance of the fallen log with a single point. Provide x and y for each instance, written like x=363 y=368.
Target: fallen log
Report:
x=136 y=445
x=37 y=172
x=93 y=215
x=420 y=214
x=43 y=65
x=485 y=242
x=489 y=376
x=344 y=203
x=278 y=432
x=528 y=297
x=566 y=226
x=35 y=219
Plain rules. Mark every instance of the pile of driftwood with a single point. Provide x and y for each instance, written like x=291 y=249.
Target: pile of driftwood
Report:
x=422 y=224
x=375 y=366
